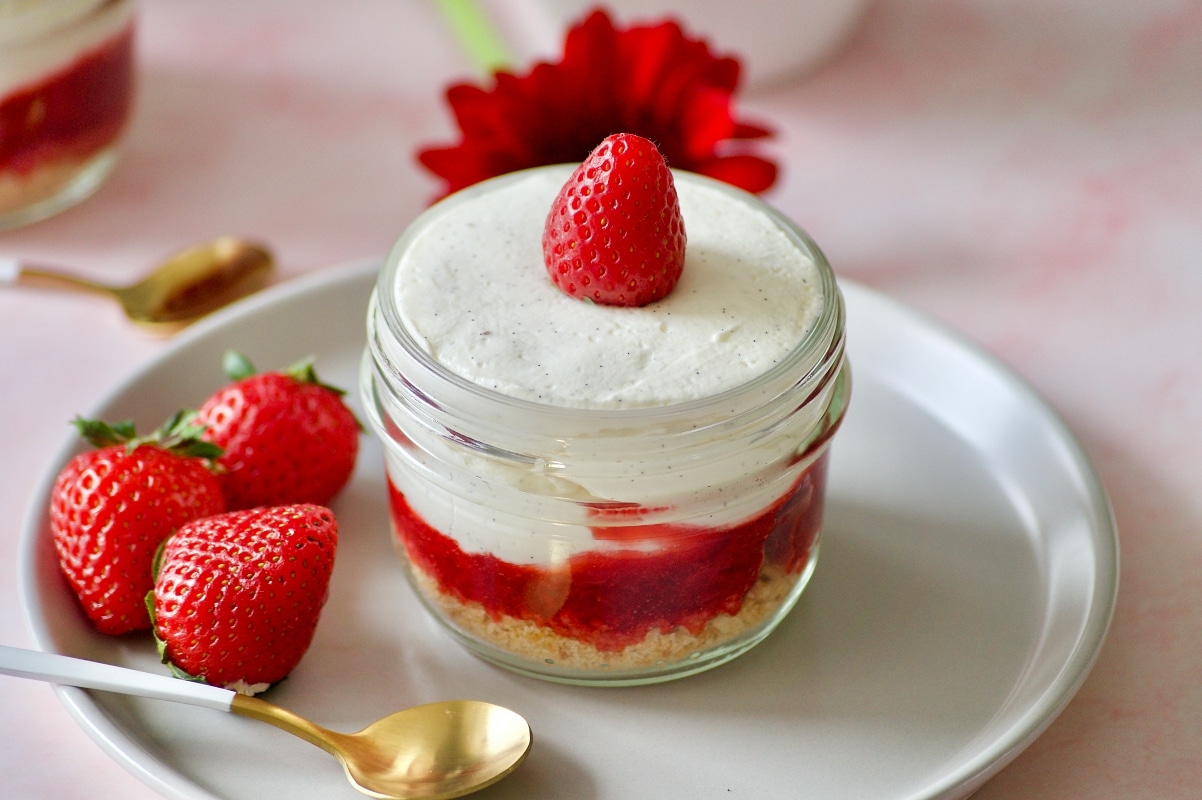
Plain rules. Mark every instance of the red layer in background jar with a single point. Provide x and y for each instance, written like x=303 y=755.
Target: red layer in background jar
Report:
x=71 y=113
x=613 y=598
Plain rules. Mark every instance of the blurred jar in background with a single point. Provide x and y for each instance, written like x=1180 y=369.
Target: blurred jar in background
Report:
x=66 y=92
x=776 y=40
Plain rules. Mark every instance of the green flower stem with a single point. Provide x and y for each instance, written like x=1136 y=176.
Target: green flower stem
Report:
x=476 y=35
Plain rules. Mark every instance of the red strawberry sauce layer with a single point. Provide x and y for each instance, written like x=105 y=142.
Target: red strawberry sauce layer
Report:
x=611 y=599
x=71 y=113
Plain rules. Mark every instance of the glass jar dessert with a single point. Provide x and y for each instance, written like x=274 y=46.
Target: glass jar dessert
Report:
x=66 y=90
x=602 y=495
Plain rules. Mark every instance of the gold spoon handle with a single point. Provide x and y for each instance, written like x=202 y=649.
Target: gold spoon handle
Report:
x=14 y=273
x=247 y=706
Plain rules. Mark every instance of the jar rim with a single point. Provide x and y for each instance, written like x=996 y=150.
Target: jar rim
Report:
x=818 y=349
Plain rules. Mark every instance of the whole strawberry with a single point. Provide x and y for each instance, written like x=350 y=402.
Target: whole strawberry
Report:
x=615 y=235
x=110 y=509
x=237 y=596
x=287 y=437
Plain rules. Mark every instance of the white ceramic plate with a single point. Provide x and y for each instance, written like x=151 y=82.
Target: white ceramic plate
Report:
x=967 y=579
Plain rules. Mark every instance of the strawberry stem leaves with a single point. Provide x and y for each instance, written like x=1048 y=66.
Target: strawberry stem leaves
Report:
x=237 y=366
x=303 y=372
x=161 y=646
x=181 y=434
x=99 y=433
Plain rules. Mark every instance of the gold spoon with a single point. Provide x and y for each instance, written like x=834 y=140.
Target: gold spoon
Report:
x=186 y=286
x=435 y=751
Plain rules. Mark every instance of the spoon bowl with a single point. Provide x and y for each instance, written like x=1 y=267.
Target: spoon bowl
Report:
x=183 y=288
x=433 y=752
x=439 y=750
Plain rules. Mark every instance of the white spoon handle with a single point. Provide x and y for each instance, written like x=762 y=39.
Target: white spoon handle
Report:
x=55 y=668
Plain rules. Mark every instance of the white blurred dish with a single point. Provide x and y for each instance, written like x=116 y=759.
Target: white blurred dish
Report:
x=774 y=40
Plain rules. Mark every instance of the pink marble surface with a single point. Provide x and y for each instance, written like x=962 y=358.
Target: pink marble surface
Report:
x=1030 y=173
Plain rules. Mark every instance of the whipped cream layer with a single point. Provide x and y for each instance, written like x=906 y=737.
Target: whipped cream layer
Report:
x=472 y=290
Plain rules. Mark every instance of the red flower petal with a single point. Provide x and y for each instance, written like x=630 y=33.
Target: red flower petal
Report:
x=751 y=173
x=650 y=80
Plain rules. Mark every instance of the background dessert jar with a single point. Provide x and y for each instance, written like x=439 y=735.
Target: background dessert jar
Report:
x=602 y=495
x=66 y=92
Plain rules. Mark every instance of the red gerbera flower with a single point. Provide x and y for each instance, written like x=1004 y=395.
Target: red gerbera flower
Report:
x=650 y=80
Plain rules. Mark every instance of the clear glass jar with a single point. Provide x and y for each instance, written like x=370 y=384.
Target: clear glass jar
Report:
x=66 y=91
x=599 y=546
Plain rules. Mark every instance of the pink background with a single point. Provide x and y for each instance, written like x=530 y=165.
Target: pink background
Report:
x=1029 y=173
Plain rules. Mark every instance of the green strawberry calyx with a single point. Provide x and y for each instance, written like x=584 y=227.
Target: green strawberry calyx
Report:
x=239 y=367
x=159 y=644
x=156 y=566
x=181 y=434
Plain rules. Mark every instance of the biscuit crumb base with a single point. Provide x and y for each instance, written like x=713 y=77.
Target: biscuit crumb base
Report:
x=64 y=180
x=19 y=191
x=533 y=642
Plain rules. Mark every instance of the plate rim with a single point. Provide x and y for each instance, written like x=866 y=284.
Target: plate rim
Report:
x=983 y=764
x=1107 y=553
